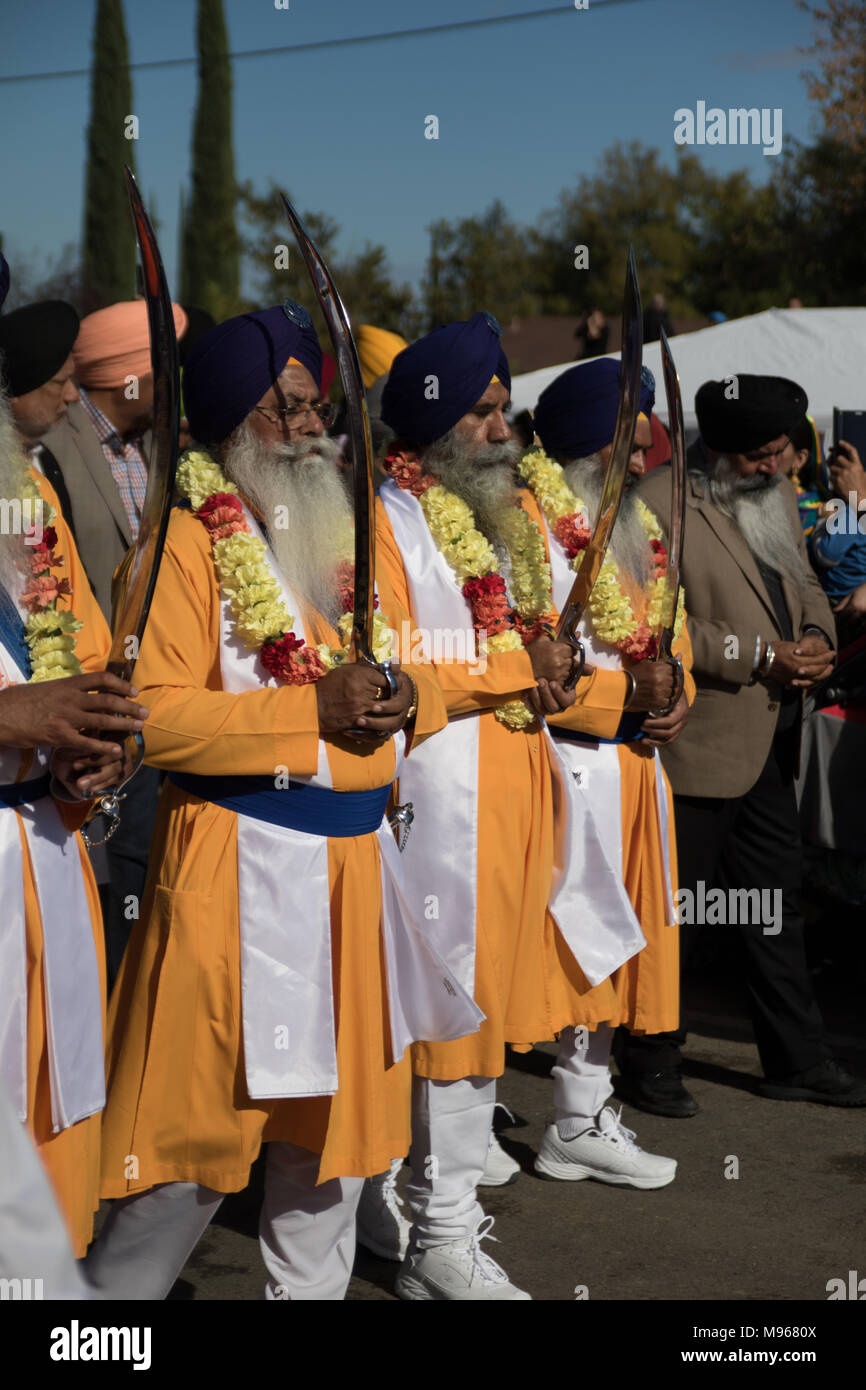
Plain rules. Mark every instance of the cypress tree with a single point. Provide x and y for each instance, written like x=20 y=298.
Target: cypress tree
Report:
x=108 y=255
x=211 y=251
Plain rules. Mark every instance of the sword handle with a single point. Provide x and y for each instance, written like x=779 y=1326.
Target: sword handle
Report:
x=384 y=669
x=109 y=801
x=576 y=671
x=679 y=686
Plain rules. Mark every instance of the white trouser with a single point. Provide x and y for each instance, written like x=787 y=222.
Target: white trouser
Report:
x=451 y=1122
x=581 y=1078
x=307 y=1233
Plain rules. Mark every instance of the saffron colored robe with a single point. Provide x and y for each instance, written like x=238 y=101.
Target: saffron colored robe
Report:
x=526 y=980
x=647 y=986
x=178 y=1106
x=71 y=1156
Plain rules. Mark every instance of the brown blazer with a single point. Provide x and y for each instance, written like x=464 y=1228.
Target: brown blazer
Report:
x=98 y=516
x=725 y=744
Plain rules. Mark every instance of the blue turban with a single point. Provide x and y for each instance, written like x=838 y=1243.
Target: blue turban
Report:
x=576 y=413
x=233 y=366
x=461 y=359
x=4 y=278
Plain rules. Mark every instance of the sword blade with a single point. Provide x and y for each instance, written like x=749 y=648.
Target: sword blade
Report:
x=617 y=467
x=359 y=434
x=665 y=632
x=136 y=579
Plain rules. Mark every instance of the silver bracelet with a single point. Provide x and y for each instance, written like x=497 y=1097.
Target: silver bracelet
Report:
x=757 y=659
x=632 y=679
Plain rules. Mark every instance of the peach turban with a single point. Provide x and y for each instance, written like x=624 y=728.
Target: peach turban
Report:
x=114 y=343
x=377 y=349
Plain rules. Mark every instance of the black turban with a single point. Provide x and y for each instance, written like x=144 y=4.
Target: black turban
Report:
x=434 y=382
x=35 y=341
x=742 y=413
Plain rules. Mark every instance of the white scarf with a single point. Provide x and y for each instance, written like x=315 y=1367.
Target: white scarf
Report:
x=73 y=1003
x=597 y=764
x=285 y=922
x=588 y=900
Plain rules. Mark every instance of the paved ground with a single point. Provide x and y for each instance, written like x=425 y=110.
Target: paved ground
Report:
x=794 y=1218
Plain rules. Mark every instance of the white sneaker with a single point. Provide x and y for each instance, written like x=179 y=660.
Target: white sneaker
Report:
x=607 y=1152
x=457 y=1272
x=380 y=1224
x=500 y=1168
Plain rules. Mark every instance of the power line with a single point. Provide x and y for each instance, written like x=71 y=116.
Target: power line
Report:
x=547 y=13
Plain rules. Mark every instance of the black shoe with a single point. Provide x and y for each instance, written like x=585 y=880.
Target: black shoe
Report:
x=659 y=1093
x=828 y=1083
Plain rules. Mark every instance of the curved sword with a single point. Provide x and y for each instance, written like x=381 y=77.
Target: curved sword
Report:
x=362 y=447
x=665 y=630
x=135 y=581
x=615 y=477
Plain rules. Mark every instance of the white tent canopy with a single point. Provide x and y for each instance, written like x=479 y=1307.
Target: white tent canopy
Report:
x=822 y=349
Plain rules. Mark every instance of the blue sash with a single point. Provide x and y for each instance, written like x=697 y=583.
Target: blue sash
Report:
x=18 y=793
x=300 y=806
x=628 y=731
x=12 y=633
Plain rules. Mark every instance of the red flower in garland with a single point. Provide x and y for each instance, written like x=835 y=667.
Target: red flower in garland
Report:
x=288 y=660
x=659 y=555
x=572 y=533
x=640 y=645
x=222 y=514
x=529 y=631
x=489 y=603
x=346 y=586
x=44 y=590
x=408 y=473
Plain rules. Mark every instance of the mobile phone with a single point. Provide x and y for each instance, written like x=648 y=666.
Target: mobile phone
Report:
x=850 y=425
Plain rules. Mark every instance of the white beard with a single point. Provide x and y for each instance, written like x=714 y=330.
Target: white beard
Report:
x=629 y=544
x=485 y=478
x=758 y=509
x=12 y=549
x=304 y=479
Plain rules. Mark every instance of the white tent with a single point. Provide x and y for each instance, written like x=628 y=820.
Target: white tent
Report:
x=822 y=349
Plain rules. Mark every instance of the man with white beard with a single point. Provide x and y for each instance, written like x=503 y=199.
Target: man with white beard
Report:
x=504 y=863
x=273 y=980
x=761 y=632
x=52 y=970
x=574 y=420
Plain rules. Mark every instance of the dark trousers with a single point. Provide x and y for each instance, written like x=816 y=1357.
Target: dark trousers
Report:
x=127 y=853
x=749 y=842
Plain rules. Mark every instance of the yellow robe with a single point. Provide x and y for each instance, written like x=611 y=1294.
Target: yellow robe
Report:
x=71 y=1157
x=178 y=1108
x=526 y=979
x=648 y=985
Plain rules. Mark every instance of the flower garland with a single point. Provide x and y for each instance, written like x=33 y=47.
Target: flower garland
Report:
x=48 y=631
x=505 y=627
x=609 y=606
x=240 y=558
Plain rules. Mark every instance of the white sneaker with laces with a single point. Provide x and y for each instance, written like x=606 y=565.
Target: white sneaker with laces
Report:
x=500 y=1168
x=380 y=1224
x=457 y=1272
x=607 y=1152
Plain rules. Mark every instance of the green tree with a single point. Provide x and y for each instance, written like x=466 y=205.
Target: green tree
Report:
x=210 y=252
x=108 y=252
x=479 y=263
x=278 y=270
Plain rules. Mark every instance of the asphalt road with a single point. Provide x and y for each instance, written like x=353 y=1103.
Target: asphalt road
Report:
x=793 y=1219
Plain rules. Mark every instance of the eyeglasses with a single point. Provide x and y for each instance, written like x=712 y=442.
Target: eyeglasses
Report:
x=294 y=414
x=760 y=456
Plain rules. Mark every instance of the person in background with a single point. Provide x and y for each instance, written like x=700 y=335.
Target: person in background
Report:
x=591 y=334
x=838 y=545
x=655 y=319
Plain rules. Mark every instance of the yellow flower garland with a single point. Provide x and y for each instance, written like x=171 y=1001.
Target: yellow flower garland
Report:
x=470 y=555
x=247 y=580
x=609 y=606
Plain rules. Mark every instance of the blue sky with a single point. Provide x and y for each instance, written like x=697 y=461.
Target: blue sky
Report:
x=523 y=108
